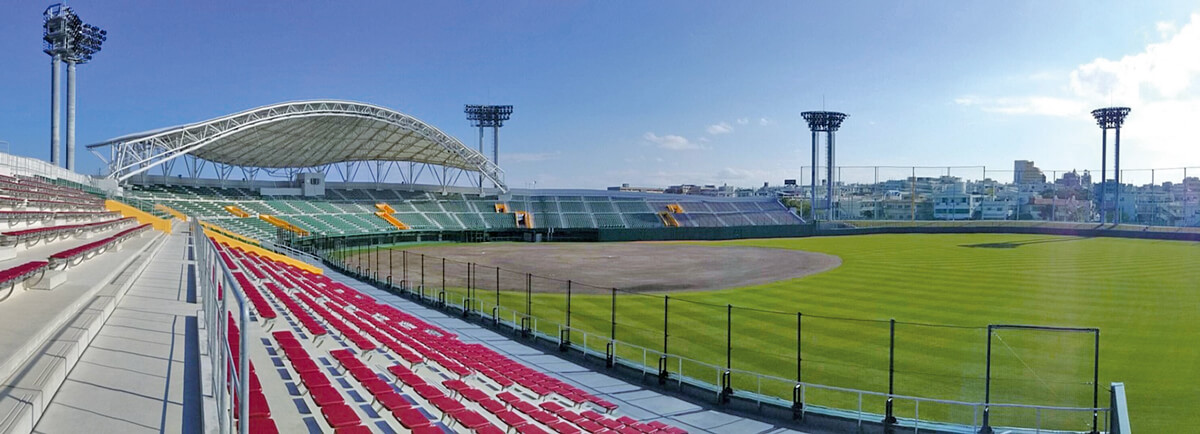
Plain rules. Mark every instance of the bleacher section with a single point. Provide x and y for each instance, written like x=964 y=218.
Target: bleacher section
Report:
x=60 y=274
x=353 y=211
x=339 y=361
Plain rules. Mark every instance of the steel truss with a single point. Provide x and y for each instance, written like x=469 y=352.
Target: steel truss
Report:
x=136 y=154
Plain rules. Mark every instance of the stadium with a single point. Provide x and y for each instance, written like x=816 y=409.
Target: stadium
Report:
x=331 y=265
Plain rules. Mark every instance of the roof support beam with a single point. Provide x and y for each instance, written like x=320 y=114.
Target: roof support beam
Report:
x=301 y=134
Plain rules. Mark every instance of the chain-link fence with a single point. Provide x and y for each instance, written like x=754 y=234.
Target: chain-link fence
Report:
x=1153 y=197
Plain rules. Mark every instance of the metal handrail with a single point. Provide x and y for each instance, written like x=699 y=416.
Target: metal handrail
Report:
x=217 y=286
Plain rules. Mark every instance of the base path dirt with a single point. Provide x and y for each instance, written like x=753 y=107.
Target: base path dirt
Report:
x=657 y=267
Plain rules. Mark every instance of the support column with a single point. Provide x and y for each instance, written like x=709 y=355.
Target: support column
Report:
x=812 y=204
x=829 y=163
x=1103 y=174
x=481 y=153
x=70 y=115
x=1117 y=174
x=55 y=109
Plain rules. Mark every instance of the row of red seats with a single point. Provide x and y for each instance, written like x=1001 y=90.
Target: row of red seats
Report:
x=446 y=350
x=66 y=256
x=12 y=237
x=39 y=185
x=261 y=421
x=549 y=419
x=261 y=306
x=339 y=415
x=408 y=415
x=357 y=309
x=50 y=215
x=14 y=276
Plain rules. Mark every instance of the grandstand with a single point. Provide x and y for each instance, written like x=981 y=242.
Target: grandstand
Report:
x=348 y=211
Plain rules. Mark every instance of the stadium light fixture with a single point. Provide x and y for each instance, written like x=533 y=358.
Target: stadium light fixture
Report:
x=828 y=123
x=492 y=116
x=1110 y=118
x=67 y=38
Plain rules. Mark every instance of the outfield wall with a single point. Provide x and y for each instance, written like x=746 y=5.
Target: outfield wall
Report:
x=1000 y=227
x=723 y=233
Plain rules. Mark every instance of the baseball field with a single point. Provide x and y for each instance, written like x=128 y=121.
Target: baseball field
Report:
x=942 y=291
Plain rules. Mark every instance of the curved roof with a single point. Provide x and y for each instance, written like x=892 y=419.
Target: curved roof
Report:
x=302 y=134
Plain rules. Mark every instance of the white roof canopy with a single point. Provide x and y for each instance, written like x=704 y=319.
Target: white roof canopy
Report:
x=300 y=134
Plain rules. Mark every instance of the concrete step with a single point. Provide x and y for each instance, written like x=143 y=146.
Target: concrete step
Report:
x=35 y=369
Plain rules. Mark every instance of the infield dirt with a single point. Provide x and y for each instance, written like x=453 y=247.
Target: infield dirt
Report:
x=638 y=266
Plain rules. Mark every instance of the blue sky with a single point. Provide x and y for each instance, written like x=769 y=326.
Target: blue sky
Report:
x=651 y=93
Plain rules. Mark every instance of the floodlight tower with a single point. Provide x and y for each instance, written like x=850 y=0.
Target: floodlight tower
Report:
x=827 y=122
x=66 y=38
x=1110 y=117
x=489 y=116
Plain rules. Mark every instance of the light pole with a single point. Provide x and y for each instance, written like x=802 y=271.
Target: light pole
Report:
x=66 y=38
x=1106 y=118
x=827 y=122
x=488 y=116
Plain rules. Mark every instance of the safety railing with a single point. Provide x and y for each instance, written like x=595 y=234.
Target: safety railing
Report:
x=221 y=297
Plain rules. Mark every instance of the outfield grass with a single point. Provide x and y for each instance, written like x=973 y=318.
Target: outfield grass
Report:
x=1142 y=294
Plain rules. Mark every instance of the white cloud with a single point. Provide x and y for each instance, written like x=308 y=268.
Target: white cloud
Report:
x=1158 y=83
x=1166 y=29
x=763 y=122
x=1166 y=68
x=671 y=142
x=721 y=128
x=743 y=121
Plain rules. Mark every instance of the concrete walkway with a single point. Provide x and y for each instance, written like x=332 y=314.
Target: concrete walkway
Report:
x=141 y=373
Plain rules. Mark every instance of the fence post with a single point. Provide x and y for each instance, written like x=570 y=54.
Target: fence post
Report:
x=496 y=309
x=662 y=360
x=612 y=332
x=797 y=402
x=467 y=298
x=889 y=418
x=526 y=322
x=1095 y=384
x=442 y=295
x=726 y=379
x=987 y=386
x=404 y=278
x=422 y=277
x=565 y=338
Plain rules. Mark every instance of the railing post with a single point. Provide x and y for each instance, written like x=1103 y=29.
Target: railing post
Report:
x=662 y=361
x=1096 y=385
x=564 y=337
x=442 y=295
x=889 y=418
x=987 y=386
x=422 y=289
x=727 y=377
x=467 y=298
x=612 y=331
x=526 y=326
x=243 y=387
x=404 y=267
x=496 y=309
x=797 y=401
